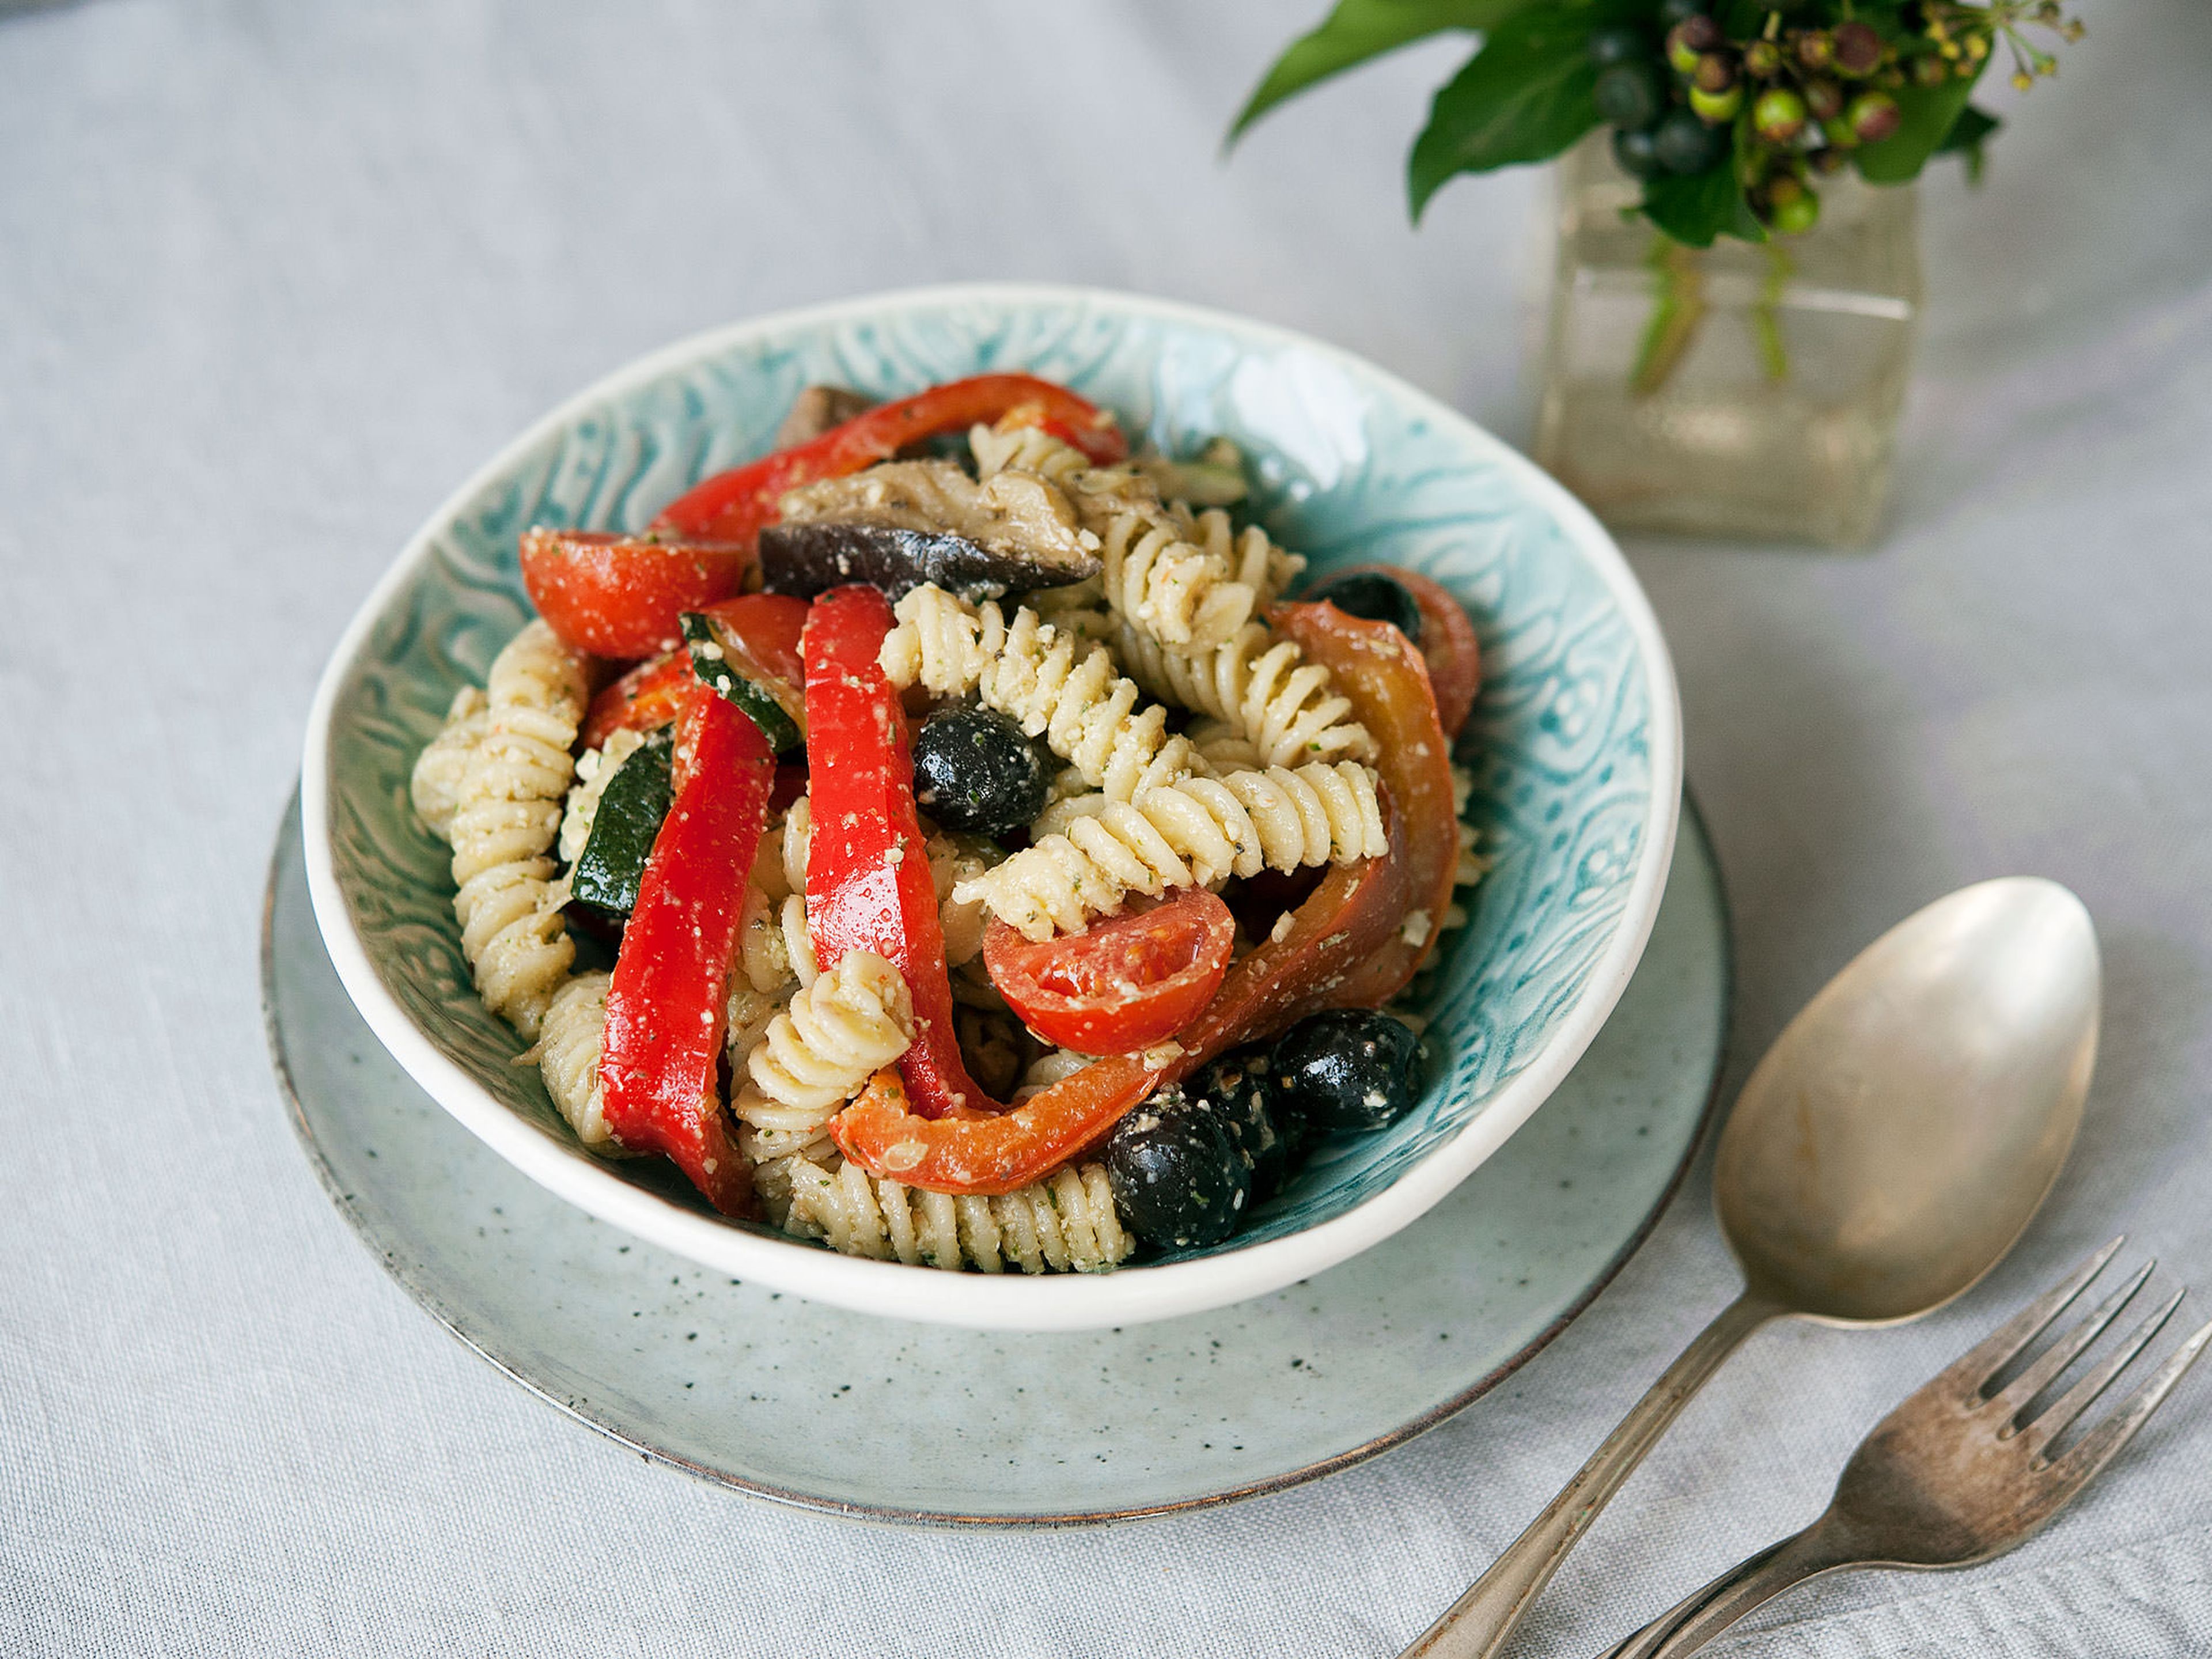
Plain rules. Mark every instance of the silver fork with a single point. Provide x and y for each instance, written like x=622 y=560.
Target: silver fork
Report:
x=1959 y=1472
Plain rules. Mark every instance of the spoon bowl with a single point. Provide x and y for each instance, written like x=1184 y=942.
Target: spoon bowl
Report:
x=1884 y=1155
x=1906 y=1125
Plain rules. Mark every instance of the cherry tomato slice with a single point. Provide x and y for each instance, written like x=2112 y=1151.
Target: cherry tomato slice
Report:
x=651 y=694
x=619 y=596
x=1448 y=645
x=1119 y=986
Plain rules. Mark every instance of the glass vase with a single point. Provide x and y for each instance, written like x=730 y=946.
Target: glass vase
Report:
x=1741 y=390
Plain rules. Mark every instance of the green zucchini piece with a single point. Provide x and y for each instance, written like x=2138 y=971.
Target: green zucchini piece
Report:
x=717 y=669
x=636 y=799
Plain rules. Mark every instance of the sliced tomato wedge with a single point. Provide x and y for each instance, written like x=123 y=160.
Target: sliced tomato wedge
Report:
x=651 y=694
x=1448 y=645
x=619 y=596
x=1118 y=986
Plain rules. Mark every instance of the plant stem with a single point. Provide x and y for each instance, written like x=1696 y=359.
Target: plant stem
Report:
x=1678 y=306
x=1767 y=315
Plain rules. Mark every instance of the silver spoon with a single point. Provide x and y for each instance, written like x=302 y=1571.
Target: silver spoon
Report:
x=1884 y=1155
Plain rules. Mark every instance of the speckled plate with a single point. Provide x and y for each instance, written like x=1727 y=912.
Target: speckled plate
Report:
x=749 y=1387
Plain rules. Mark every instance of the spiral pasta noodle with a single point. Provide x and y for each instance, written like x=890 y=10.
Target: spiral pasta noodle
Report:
x=837 y=1033
x=775 y=948
x=1195 y=833
x=1025 y=449
x=1064 y=1223
x=435 y=784
x=1261 y=688
x=507 y=813
x=1066 y=691
x=570 y=1040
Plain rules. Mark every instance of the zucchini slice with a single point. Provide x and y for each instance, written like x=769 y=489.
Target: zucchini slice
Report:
x=637 y=798
x=720 y=664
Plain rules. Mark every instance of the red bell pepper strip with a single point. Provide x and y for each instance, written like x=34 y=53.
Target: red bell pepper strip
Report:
x=868 y=883
x=665 y=1005
x=1387 y=681
x=733 y=505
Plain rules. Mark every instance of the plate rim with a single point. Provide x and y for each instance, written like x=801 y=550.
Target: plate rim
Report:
x=957 y=1520
x=1059 y=1302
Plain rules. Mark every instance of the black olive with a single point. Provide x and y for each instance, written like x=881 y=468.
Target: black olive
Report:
x=1349 y=1068
x=1237 y=1085
x=974 y=769
x=1371 y=594
x=1178 y=1174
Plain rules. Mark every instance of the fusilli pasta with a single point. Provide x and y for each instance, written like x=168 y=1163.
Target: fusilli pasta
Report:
x=775 y=949
x=507 y=813
x=1195 y=833
x=837 y=1033
x=1064 y=1223
x=435 y=787
x=1261 y=688
x=570 y=1040
x=1068 y=692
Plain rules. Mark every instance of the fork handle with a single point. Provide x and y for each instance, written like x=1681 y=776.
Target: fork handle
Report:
x=1476 y=1626
x=1704 y=1613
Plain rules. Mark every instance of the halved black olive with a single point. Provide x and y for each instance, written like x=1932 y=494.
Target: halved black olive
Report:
x=1178 y=1174
x=976 y=769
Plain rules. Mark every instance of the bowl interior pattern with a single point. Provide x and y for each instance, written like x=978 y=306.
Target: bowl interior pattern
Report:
x=1347 y=466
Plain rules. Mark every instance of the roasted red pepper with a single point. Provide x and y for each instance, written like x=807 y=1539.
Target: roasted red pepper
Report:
x=1387 y=681
x=976 y=1152
x=733 y=505
x=868 y=885
x=666 y=1007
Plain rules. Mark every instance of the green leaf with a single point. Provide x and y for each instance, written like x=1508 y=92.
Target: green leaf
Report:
x=1696 y=208
x=1930 y=115
x=1525 y=96
x=1968 y=135
x=1355 y=31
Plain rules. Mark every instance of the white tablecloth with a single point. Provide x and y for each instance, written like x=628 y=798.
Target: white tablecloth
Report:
x=273 y=278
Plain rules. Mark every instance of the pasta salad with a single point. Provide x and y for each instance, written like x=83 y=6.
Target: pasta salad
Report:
x=945 y=837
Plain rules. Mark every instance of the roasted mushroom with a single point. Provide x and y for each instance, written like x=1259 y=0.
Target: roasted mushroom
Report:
x=905 y=523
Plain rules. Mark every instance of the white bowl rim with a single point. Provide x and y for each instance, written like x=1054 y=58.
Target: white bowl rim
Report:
x=1011 y=1301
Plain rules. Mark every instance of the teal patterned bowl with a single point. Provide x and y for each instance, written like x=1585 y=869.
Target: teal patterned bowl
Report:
x=1578 y=774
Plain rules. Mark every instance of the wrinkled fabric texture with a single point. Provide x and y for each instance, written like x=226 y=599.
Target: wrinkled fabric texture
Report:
x=274 y=279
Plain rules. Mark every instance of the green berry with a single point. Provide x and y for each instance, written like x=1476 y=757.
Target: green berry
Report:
x=1683 y=144
x=1716 y=107
x=1778 y=116
x=1816 y=49
x=1631 y=94
x=1838 y=132
x=1690 y=40
x=1638 y=153
x=1795 y=214
x=1715 y=72
x=1824 y=100
x=1619 y=45
x=1762 y=59
x=1858 y=48
x=1874 y=116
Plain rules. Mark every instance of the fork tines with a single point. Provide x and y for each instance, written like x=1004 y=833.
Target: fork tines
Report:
x=1969 y=1376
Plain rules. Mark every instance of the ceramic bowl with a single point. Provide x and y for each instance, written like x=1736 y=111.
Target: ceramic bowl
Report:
x=1576 y=739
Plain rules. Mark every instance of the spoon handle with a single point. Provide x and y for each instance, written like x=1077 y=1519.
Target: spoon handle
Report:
x=1476 y=1626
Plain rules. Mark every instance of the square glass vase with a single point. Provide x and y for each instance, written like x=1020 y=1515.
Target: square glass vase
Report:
x=1748 y=390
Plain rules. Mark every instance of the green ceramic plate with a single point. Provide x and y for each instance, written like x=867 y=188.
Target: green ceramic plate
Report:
x=749 y=1387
